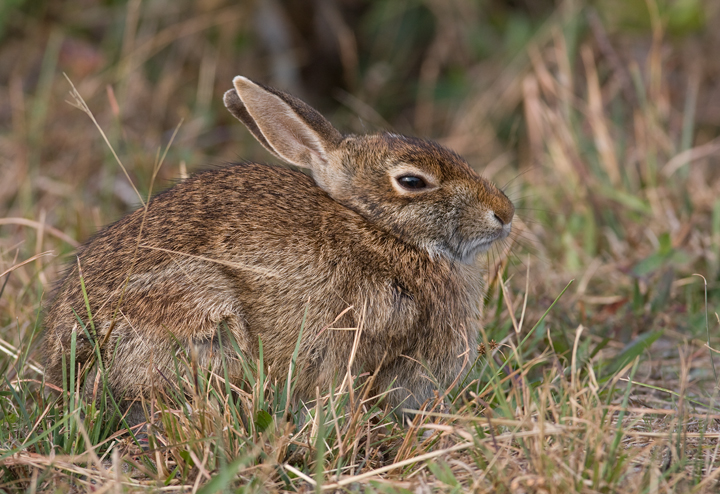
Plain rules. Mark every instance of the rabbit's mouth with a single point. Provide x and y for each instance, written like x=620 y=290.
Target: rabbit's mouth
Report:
x=466 y=251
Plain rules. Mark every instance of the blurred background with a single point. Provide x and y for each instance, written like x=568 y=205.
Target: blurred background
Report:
x=600 y=118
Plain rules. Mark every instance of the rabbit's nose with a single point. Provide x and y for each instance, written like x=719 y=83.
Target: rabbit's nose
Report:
x=497 y=202
x=503 y=209
x=504 y=215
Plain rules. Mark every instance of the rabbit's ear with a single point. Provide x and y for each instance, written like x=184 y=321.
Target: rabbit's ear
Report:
x=286 y=126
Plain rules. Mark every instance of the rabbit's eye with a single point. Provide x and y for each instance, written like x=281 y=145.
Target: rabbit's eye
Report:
x=411 y=182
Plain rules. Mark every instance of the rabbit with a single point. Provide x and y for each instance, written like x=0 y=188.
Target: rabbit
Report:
x=384 y=237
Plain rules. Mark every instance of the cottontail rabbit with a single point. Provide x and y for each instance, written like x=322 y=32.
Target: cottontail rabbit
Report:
x=388 y=226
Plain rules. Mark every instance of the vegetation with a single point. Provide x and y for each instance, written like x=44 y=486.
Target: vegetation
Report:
x=600 y=118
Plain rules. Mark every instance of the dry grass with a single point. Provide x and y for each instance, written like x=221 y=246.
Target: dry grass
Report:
x=606 y=136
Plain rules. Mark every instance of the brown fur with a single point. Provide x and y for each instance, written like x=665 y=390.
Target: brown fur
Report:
x=258 y=247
